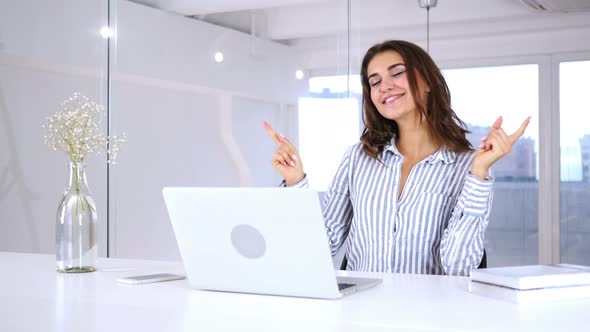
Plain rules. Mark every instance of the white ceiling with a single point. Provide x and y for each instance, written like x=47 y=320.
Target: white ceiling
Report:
x=199 y=7
x=292 y=20
x=459 y=29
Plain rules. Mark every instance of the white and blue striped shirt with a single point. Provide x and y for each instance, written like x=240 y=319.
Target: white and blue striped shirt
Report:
x=437 y=225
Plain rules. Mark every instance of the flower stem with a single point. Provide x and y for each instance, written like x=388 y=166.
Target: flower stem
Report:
x=88 y=203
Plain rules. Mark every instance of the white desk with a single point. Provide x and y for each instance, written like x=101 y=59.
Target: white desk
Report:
x=33 y=297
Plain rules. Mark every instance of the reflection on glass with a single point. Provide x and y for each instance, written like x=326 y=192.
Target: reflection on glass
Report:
x=574 y=109
x=479 y=97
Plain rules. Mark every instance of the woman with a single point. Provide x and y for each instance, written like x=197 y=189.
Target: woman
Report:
x=412 y=196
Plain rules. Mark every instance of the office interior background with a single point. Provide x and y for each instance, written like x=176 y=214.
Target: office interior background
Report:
x=190 y=83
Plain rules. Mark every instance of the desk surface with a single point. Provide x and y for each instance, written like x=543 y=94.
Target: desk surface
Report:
x=33 y=297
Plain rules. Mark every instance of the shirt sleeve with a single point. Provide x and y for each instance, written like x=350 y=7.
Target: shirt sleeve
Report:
x=336 y=207
x=303 y=183
x=462 y=243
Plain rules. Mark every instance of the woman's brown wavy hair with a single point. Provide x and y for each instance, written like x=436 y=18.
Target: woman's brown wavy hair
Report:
x=444 y=124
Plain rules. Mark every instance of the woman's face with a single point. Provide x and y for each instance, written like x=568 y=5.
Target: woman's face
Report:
x=390 y=89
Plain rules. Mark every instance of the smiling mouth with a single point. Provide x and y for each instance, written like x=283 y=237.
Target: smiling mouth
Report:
x=391 y=99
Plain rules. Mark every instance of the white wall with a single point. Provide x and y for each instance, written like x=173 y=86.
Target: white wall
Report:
x=190 y=121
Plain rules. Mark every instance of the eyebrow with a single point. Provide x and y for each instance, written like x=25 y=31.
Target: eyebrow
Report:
x=388 y=68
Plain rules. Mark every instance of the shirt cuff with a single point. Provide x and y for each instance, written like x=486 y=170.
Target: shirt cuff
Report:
x=477 y=195
x=303 y=183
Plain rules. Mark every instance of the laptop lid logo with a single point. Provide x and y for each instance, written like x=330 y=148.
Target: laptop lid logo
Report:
x=248 y=241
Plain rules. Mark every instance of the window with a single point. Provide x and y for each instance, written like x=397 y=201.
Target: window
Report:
x=479 y=96
x=575 y=161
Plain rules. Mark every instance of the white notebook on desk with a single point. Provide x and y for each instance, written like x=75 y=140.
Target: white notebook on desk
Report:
x=538 y=295
x=534 y=276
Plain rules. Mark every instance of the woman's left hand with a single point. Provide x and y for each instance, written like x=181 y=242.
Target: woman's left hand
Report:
x=495 y=145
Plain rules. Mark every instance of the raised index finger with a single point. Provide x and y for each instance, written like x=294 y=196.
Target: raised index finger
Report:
x=498 y=123
x=271 y=132
x=520 y=131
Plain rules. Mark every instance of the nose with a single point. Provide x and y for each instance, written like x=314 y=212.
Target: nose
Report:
x=387 y=84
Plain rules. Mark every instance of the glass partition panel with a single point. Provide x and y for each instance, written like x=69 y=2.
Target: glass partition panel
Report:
x=191 y=89
x=48 y=51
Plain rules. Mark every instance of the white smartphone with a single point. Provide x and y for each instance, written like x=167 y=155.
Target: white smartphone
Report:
x=144 y=279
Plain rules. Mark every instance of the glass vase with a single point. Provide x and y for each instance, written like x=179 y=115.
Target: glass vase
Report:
x=75 y=231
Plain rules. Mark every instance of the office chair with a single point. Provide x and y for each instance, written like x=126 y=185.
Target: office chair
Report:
x=482 y=265
x=484 y=261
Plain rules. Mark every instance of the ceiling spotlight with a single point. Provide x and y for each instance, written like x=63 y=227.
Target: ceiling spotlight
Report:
x=106 y=32
x=218 y=57
x=299 y=74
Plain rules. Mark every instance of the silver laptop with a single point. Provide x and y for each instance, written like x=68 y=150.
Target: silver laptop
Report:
x=256 y=240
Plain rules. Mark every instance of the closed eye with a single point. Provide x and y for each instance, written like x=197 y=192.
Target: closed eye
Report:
x=398 y=73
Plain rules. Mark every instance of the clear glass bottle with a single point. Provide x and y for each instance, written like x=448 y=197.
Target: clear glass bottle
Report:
x=76 y=224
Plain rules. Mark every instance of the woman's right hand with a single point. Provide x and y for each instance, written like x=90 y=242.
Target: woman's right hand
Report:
x=286 y=159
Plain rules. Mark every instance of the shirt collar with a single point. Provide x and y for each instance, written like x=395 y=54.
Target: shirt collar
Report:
x=443 y=154
x=391 y=147
x=390 y=153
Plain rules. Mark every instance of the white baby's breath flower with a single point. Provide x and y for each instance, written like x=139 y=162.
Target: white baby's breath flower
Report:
x=75 y=131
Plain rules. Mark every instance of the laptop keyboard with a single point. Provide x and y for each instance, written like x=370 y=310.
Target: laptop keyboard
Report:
x=342 y=286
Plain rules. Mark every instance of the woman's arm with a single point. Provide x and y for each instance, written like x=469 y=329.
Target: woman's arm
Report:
x=336 y=206
x=461 y=246
x=337 y=209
